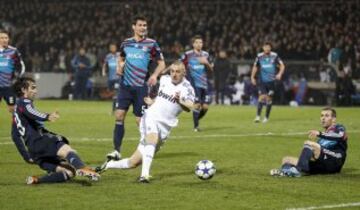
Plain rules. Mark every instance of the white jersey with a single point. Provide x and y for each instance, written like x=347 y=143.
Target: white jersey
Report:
x=165 y=109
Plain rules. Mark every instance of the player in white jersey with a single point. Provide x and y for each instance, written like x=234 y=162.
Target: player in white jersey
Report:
x=175 y=94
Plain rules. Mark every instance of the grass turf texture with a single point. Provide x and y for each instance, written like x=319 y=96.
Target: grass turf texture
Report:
x=242 y=151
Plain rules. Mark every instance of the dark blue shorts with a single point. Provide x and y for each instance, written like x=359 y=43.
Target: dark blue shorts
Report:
x=45 y=147
x=266 y=88
x=8 y=94
x=202 y=96
x=328 y=162
x=132 y=95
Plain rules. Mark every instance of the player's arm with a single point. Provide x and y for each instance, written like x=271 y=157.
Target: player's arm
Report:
x=19 y=64
x=104 y=68
x=20 y=146
x=158 y=70
x=281 y=69
x=205 y=61
x=34 y=114
x=186 y=102
x=253 y=74
x=334 y=135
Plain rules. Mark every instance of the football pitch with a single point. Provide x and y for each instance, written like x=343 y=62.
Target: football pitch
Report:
x=242 y=151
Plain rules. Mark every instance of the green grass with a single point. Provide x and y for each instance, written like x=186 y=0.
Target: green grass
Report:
x=229 y=138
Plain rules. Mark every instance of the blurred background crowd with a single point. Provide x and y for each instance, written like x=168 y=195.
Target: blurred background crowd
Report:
x=318 y=40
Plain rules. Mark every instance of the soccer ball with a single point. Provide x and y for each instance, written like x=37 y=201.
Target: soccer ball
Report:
x=205 y=169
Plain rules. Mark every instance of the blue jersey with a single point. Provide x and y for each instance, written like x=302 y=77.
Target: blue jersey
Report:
x=27 y=125
x=334 y=138
x=138 y=55
x=10 y=62
x=111 y=62
x=195 y=69
x=267 y=64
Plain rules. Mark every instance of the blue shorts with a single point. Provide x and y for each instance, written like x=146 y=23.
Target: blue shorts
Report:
x=45 y=147
x=202 y=96
x=328 y=162
x=266 y=88
x=8 y=94
x=132 y=95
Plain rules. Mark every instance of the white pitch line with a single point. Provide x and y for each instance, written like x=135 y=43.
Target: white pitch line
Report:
x=342 y=205
x=85 y=139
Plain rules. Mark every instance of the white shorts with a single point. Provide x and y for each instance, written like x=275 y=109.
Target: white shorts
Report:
x=149 y=125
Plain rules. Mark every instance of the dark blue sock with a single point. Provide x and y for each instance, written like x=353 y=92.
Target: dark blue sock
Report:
x=119 y=132
x=305 y=156
x=268 y=110
x=259 y=108
x=196 y=114
x=54 y=177
x=113 y=105
x=202 y=113
x=75 y=160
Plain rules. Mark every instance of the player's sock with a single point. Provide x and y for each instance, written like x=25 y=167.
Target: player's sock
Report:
x=75 y=160
x=196 y=114
x=54 y=177
x=268 y=110
x=122 y=164
x=287 y=166
x=305 y=156
x=202 y=113
x=147 y=157
x=113 y=104
x=259 y=108
x=119 y=132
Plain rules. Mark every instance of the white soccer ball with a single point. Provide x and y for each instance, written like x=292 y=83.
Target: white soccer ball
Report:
x=205 y=169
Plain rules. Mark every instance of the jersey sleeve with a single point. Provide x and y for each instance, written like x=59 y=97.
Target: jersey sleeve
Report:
x=187 y=93
x=19 y=63
x=156 y=52
x=257 y=61
x=19 y=143
x=34 y=114
x=336 y=133
x=278 y=60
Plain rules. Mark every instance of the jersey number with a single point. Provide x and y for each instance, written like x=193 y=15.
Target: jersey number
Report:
x=19 y=126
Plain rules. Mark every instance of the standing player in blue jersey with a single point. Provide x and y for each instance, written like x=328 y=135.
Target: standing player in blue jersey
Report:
x=325 y=156
x=38 y=145
x=109 y=68
x=11 y=65
x=136 y=53
x=197 y=63
x=271 y=68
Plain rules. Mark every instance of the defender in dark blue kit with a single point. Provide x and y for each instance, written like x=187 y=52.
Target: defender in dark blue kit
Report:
x=37 y=145
x=11 y=64
x=325 y=156
x=271 y=68
x=136 y=54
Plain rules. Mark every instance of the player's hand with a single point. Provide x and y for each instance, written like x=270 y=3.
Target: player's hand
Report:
x=148 y=100
x=278 y=76
x=54 y=116
x=177 y=96
x=313 y=134
x=30 y=161
x=203 y=60
x=253 y=81
x=81 y=65
x=152 y=80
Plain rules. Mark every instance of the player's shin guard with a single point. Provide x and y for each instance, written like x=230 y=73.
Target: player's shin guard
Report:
x=75 y=160
x=119 y=132
x=196 y=114
x=202 y=113
x=54 y=177
x=147 y=157
x=268 y=109
x=305 y=156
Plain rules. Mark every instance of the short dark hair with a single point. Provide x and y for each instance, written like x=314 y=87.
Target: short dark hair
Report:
x=21 y=83
x=333 y=112
x=3 y=31
x=268 y=43
x=195 y=38
x=137 y=18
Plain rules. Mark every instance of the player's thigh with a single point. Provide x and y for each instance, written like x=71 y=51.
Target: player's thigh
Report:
x=139 y=105
x=316 y=148
x=46 y=146
x=124 y=98
x=270 y=89
x=148 y=130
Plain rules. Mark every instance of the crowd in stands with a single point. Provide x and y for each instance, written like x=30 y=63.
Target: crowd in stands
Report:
x=49 y=33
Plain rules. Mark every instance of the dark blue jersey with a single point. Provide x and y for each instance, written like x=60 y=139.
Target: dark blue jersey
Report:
x=138 y=55
x=267 y=64
x=195 y=69
x=27 y=125
x=334 y=138
x=10 y=62
x=111 y=62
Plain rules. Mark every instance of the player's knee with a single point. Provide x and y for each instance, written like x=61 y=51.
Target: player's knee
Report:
x=205 y=107
x=197 y=106
x=152 y=138
x=309 y=144
x=65 y=150
x=119 y=115
x=70 y=174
